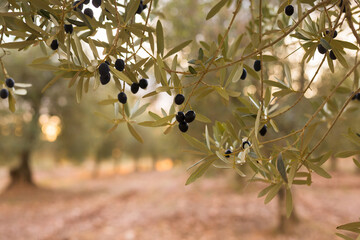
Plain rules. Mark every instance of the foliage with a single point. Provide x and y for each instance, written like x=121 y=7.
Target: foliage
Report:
x=280 y=42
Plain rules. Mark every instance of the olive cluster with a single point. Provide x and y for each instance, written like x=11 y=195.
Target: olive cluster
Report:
x=10 y=83
x=183 y=118
x=323 y=50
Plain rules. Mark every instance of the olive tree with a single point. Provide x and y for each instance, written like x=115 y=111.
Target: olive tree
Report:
x=122 y=46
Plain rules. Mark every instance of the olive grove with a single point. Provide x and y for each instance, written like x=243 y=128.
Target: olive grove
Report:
x=123 y=45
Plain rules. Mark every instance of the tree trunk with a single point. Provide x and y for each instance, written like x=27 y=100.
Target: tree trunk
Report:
x=116 y=164
x=333 y=163
x=284 y=222
x=154 y=161
x=136 y=165
x=96 y=169
x=22 y=175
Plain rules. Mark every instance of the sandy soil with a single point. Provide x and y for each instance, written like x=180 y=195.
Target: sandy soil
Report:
x=157 y=205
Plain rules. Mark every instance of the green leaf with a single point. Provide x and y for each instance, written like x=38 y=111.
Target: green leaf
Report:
x=120 y=75
x=177 y=48
x=264 y=191
x=131 y=9
x=202 y=118
x=276 y=84
x=134 y=133
x=23 y=85
x=281 y=167
x=350 y=226
x=79 y=89
x=257 y=122
x=346 y=154
x=12 y=102
x=159 y=38
x=319 y=170
x=308 y=136
x=357 y=163
x=325 y=44
x=140 y=111
x=207 y=137
x=195 y=143
x=292 y=172
x=44 y=67
x=200 y=170
x=344 y=236
x=108 y=101
x=345 y=44
x=17 y=45
x=221 y=91
x=163 y=120
x=272 y=192
x=216 y=9
x=279 y=111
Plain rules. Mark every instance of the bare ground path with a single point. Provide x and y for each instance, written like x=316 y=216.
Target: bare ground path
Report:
x=157 y=205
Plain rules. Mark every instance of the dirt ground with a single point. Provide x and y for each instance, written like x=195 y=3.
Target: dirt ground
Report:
x=157 y=205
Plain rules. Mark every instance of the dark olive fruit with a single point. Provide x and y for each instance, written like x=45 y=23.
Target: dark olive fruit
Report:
x=227 y=153
x=190 y=116
x=140 y=9
x=96 y=3
x=68 y=28
x=321 y=49
x=289 y=10
x=135 y=88
x=104 y=69
x=257 y=65
x=107 y=62
x=4 y=93
x=327 y=32
x=89 y=12
x=10 y=83
x=80 y=7
x=244 y=74
x=358 y=96
x=122 y=97
x=180 y=117
x=335 y=34
x=54 y=44
x=183 y=126
x=105 y=78
x=143 y=83
x=246 y=144
x=332 y=55
x=354 y=97
x=120 y=65
x=179 y=99
x=86 y=2
x=263 y=130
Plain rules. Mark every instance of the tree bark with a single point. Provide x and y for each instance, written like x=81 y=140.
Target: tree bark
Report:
x=116 y=164
x=154 y=161
x=284 y=222
x=22 y=175
x=136 y=165
x=96 y=169
x=333 y=163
